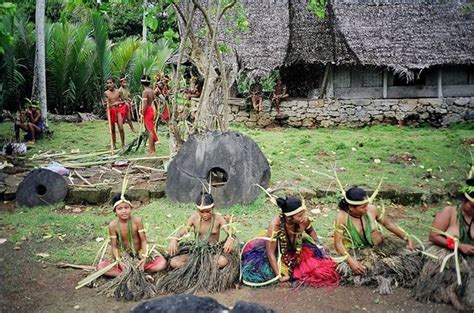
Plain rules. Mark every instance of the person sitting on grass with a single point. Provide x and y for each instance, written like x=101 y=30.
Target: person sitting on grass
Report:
x=30 y=121
x=290 y=253
x=451 y=224
x=370 y=258
x=205 y=263
x=128 y=238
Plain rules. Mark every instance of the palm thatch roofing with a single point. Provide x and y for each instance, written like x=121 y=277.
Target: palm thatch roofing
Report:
x=402 y=34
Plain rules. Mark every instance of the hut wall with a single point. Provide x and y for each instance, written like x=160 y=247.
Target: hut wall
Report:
x=357 y=112
x=366 y=82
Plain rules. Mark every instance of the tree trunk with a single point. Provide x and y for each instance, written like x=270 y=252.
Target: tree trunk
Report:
x=144 y=30
x=39 y=84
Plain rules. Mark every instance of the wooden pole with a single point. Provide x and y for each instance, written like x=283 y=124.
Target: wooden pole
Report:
x=440 y=83
x=110 y=128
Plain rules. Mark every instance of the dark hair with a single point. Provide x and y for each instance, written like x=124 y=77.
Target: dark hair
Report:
x=147 y=80
x=288 y=204
x=204 y=198
x=469 y=183
x=116 y=198
x=112 y=79
x=355 y=194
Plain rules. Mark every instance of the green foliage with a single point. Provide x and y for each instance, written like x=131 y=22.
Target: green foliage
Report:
x=16 y=68
x=243 y=84
x=69 y=67
x=7 y=11
x=269 y=80
x=149 y=59
x=123 y=56
x=318 y=7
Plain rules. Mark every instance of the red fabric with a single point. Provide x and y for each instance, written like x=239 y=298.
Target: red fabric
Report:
x=113 y=114
x=149 y=119
x=450 y=242
x=154 y=263
x=123 y=109
x=107 y=263
x=314 y=271
x=165 y=116
x=148 y=265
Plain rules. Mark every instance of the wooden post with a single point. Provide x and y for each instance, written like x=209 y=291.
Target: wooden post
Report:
x=385 y=83
x=330 y=90
x=112 y=148
x=440 y=83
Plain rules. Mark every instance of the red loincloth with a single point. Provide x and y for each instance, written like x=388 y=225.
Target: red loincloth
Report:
x=149 y=119
x=113 y=114
x=123 y=109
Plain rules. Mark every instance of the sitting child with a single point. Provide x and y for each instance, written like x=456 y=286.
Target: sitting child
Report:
x=127 y=236
x=205 y=262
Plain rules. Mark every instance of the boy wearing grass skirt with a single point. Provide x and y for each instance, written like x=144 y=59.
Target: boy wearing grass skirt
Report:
x=439 y=284
x=370 y=258
x=128 y=239
x=204 y=263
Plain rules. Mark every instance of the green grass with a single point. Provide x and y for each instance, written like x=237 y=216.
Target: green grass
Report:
x=295 y=156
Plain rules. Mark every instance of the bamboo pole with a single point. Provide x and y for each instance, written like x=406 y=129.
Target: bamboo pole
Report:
x=82 y=178
x=112 y=148
x=85 y=164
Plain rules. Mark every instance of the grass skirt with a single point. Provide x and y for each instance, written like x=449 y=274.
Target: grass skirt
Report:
x=315 y=269
x=443 y=287
x=388 y=265
x=130 y=285
x=201 y=272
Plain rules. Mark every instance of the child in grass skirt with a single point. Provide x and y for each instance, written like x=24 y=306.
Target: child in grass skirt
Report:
x=442 y=286
x=289 y=252
x=370 y=259
x=204 y=263
x=127 y=237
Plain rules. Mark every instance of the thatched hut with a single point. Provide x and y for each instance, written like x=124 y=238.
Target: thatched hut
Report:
x=363 y=48
x=365 y=62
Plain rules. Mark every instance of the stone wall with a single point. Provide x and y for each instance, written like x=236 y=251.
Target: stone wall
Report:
x=357 y=112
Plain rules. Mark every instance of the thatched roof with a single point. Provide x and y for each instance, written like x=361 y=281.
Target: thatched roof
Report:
x=313 y=39
x=410 y=34
x=404 y=34
x=264 y=46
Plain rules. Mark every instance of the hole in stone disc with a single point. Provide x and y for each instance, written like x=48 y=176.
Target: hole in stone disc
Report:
x=217 y=177
x=41 y=190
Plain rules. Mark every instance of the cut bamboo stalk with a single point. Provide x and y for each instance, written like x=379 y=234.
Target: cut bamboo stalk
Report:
x=86 y=164
x=147 y=168
x=83 y=156
x=82 y=178
x=95 y=275
x=78 y=266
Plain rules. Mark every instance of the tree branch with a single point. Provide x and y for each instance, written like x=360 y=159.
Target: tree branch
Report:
x=206 y=17
x=181 y=14
x=227 y=7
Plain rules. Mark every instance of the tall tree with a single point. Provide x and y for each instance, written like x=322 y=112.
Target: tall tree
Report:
x=39 y=84
x=199 y=25
x=144 y=30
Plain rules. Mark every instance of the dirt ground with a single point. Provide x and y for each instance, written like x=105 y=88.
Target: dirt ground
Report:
x=28 y=285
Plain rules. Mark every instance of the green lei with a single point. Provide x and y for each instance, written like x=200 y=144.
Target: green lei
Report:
x=360 y=241
x=133 y=253
x=464 y=228
x=287 y=247
x=208 y=234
